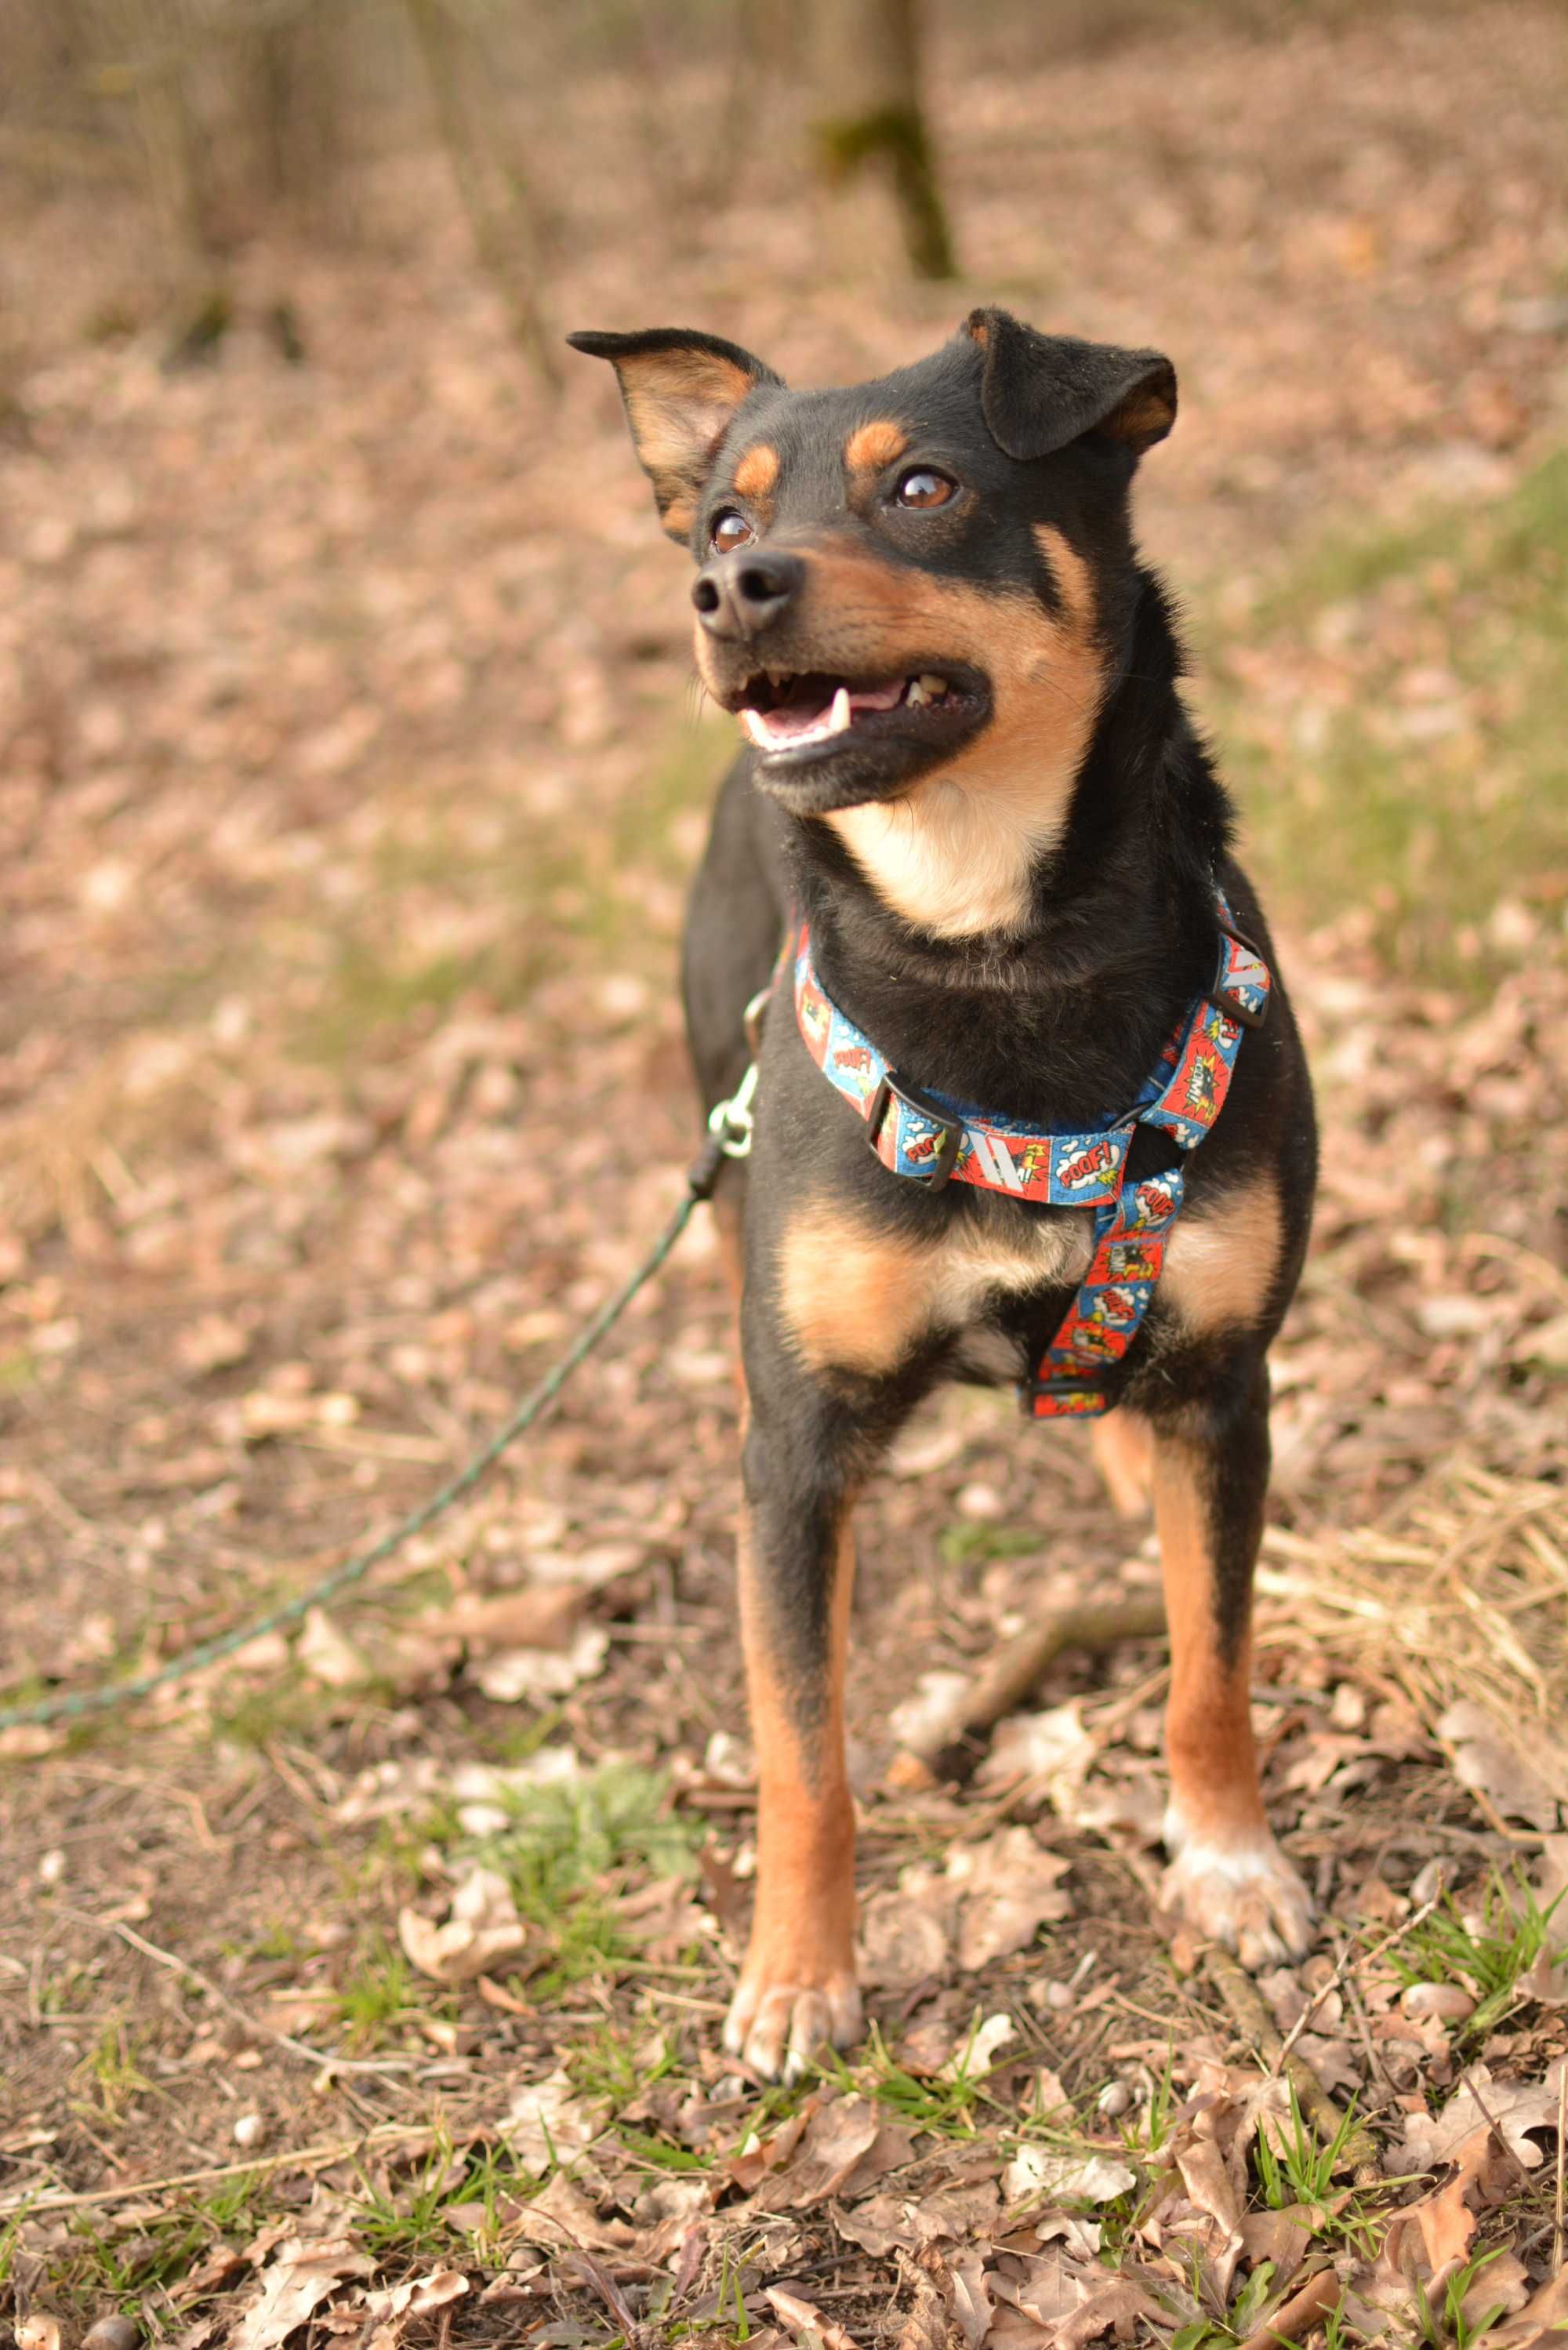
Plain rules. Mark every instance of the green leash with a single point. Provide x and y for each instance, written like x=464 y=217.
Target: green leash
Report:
x=729 y=1138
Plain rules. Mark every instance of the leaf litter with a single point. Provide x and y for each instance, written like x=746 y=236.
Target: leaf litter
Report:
x=271 y=1257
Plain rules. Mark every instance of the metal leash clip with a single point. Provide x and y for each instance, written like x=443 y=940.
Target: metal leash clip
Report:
x=729 y=1122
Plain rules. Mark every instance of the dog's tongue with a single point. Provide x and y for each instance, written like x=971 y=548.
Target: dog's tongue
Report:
x=793 y=721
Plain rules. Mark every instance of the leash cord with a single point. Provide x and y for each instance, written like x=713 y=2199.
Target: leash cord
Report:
x=74 y=1704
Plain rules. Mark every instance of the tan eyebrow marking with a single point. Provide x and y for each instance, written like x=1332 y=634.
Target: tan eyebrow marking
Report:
x=871 y=446
x=757 y=472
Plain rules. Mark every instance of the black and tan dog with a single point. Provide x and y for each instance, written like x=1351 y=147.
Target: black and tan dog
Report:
x=971 y=778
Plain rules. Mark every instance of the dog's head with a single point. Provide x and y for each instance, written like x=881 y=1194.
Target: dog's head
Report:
x=931 y=570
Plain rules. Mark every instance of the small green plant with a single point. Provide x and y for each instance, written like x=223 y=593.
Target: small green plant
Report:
x=968 y=1543
x=605 y=2067
x=412 y=2225
x=375 y=1994
x=1449 y=2329
x=10 y=2237
x=1301 y=2170
x=1513 y=1932
x=944 y=2103
x=1150 y=2126
x=114 y=2073
x=562 y=1852
x=661 y=2153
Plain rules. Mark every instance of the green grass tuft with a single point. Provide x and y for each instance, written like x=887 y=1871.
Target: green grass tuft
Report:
x=1486 y=1962
x=1393 y=714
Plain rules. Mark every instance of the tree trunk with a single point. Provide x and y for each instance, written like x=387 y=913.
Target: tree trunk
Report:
x=492 y=192
x=866 y=61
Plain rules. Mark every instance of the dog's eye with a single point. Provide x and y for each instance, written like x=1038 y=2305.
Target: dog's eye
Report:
x=731 y=530
x=922 y=487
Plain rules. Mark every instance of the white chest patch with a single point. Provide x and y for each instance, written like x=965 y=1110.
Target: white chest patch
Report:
x=973 y=1269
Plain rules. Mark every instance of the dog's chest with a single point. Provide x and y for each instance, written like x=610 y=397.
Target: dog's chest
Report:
x=997 y=1287
x=855 y=1294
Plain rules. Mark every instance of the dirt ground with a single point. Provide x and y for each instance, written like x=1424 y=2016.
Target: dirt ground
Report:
x=368 y=1983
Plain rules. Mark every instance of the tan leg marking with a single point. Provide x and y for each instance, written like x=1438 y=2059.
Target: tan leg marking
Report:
x=1219 y=1267
x=956 y=855
x=1123 y=1445
x=797 y=1987
x=872 y=446
x=852 y=1297
x=1228 y=1877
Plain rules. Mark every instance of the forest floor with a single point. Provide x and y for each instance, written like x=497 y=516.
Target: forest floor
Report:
x=367 y=1984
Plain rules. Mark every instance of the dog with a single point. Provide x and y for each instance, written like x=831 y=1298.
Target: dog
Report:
x=978 y=852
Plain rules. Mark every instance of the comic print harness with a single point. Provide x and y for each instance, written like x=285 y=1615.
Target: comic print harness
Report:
x=933 y=1141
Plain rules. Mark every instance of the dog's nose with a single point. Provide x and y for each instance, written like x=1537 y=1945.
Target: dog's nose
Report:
x=742 y=593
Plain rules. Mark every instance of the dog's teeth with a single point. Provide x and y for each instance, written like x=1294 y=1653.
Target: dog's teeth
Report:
x=839 y=716
x=916 y=694
x=754 y=726
x=935 y=687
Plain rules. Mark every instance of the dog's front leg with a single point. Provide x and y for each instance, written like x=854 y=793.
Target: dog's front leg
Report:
x=797 y=1988
x=1228 y=1877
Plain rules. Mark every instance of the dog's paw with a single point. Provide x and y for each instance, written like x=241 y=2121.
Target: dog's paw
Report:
x=778 y=2027
x=1246 y=1896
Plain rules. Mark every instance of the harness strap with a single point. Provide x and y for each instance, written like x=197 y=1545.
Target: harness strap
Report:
x=930 y=1139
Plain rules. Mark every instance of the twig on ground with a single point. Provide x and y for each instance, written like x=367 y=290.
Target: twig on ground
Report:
x=1496 y=2127
x=1375 y=2062
x=1350 y=1964
x=1009 y=1679
x=1557 y=2244
x=1244 y=2004
x=323 y=2059
x=304 y=2157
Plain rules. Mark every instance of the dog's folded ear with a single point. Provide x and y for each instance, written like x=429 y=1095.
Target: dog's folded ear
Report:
x=1041 y=391
x=681 y=389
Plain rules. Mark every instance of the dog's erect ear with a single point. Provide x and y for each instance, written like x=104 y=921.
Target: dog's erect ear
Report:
x=1039 y=392
x=680 y=390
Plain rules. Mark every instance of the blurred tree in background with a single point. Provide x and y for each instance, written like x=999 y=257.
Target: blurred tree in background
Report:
x=867 y=55
x=229 y=117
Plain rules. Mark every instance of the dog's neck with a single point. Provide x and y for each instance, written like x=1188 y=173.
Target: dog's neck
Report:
x=1057 y=1015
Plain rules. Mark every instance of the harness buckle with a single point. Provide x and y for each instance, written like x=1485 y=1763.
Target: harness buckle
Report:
x=1228 y=1003
x=1090 y=1385
x=950 y=1129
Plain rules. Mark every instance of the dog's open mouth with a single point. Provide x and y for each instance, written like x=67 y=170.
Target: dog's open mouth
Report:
x=784 y=712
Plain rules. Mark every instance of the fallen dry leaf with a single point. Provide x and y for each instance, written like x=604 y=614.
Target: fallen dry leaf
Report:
x=300 y=2278
x=1486 y=1759
x=414 y=2297
x=1294 y=2319
x=546 y=2122
x=482 y=1928
x=971 y=2310
x=510 y=1674
x=846 y=2147
x=1035 y=2171
x=1501 y=2289
x=805 y=2321
x=1516 y=2107
x=538 y=1617
x=1543 y=2321
x=1007 y=1887
x=887 y=2221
